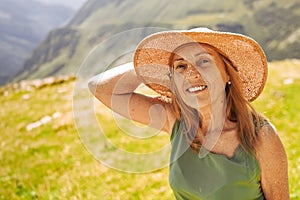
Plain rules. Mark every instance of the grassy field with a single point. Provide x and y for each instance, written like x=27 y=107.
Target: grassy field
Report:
x=42 y=156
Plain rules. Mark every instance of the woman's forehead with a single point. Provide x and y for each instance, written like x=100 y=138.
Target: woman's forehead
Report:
x=195 y=49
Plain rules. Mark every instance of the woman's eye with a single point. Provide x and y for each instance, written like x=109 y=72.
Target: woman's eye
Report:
x=180 y=66
x=202 y=61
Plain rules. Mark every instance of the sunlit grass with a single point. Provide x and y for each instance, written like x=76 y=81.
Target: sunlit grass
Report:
x=280 y=103
x=50 y=161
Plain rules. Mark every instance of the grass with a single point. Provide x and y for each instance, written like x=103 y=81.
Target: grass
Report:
x=280 y=103
x=50 y=161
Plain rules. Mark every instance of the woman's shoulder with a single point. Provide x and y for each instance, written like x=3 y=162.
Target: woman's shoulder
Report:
x=269 y=147
x=272 y=159
x=266 y=131
x=268 y=137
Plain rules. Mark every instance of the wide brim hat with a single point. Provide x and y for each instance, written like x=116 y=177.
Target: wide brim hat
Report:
x=152 y=55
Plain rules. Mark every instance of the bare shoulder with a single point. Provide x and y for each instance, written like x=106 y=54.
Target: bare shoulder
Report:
x=269 y=140
x=272 y=159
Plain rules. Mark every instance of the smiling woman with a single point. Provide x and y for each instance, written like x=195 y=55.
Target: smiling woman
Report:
x=221 y=147
x=202 y=69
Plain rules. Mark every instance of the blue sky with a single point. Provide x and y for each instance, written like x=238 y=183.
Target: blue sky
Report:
x=75 y=4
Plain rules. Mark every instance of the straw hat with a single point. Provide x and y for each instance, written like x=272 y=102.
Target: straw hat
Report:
x=151 y=58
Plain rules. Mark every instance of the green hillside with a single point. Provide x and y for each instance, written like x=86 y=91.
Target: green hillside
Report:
x=23 y=26
x=42 y=155
x=274 y=24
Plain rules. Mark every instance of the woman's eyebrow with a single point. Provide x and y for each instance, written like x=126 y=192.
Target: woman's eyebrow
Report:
x=201 y=53
x=178 y=59
x=196 y=54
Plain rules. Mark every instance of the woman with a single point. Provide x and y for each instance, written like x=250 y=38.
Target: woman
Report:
x=221 y=147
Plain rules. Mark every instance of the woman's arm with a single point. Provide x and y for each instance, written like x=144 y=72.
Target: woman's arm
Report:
x=273 y=162
x=116 y=89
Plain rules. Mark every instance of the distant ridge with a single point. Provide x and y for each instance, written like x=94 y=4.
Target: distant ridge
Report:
x=23 y=25
x=274 y=24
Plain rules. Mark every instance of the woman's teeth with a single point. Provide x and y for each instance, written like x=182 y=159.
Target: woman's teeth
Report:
x=197 y=88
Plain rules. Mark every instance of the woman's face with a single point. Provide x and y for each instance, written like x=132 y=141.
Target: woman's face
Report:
x=199 y=74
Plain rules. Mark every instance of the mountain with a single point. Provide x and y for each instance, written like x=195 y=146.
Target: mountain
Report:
x=275 y=24
x=23 y=25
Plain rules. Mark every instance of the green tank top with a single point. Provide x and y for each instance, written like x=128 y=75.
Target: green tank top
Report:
x=210 y=176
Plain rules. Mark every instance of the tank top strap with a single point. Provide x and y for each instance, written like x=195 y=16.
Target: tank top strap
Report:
x=175 y=129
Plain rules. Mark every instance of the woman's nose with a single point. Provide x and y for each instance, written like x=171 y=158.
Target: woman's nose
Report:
x=192 y=73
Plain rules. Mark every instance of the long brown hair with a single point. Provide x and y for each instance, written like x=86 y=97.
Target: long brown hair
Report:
x=238 y=109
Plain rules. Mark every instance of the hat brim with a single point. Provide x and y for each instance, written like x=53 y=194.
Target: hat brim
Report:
x=151 y=58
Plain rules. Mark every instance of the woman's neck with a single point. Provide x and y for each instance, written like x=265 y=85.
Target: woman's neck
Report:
x=213 y=121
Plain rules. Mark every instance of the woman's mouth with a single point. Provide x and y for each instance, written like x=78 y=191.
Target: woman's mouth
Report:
x=196 y=89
